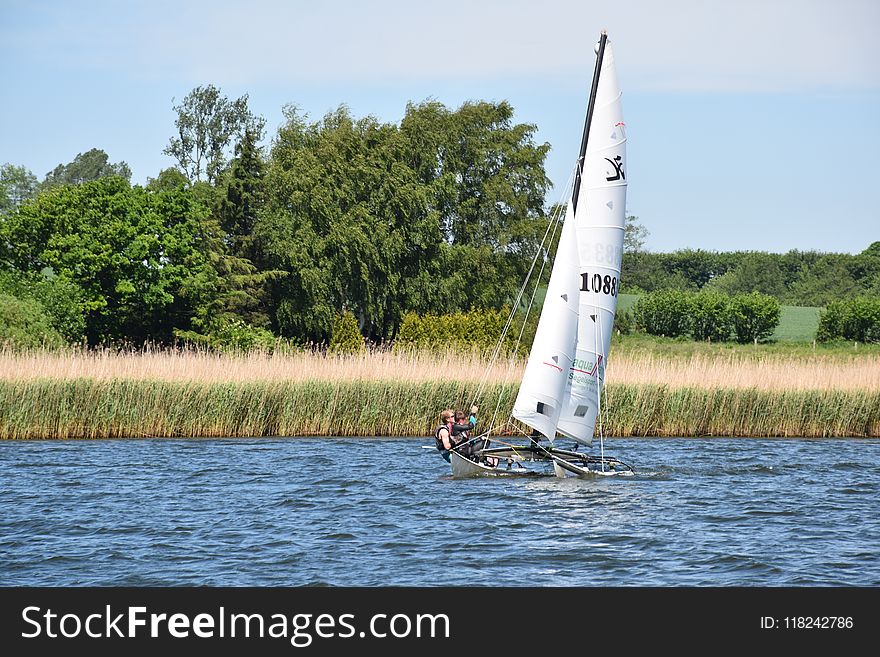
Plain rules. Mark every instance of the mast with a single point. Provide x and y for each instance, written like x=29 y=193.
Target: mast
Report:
x=580 y=164
x=600 y=226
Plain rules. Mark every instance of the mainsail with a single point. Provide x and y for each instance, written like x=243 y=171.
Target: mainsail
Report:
x=565 y=373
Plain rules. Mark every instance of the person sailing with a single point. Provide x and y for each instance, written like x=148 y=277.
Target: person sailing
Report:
x=453 y=430
x=443 y=433
x=461 y=432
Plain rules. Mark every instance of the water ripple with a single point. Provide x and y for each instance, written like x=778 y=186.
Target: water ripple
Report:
x=327 y=512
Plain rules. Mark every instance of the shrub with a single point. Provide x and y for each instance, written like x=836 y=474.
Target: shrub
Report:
x=25 y=323
x=346 y=337
x=234 y=335
x=665 y=312
x=754 y=316
x=710 y=316
x=61 y=301
x=855 y=319
x=623 y=322
x=476 y=329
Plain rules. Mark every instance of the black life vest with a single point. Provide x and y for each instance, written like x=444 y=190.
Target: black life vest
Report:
x=437 y=439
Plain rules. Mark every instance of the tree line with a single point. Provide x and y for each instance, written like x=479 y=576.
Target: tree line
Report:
x=243 y=242
x=441 y=212
x=796 y=278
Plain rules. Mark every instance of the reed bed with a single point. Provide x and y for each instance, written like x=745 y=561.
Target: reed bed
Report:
x=89 y=408
x=103 y=394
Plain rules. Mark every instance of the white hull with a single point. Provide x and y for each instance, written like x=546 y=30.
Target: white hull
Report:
x=463 y=468
x=572 y=470
x=510 y=463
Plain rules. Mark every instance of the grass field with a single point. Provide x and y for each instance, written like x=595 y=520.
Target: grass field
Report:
x=797 y=324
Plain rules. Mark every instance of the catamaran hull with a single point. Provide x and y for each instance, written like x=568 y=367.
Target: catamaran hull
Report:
x=565 y=469
x=462 y=467
x=511 y=461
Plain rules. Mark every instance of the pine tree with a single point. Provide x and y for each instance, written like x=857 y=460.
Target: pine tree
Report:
x=244 y=197
x=241 y=286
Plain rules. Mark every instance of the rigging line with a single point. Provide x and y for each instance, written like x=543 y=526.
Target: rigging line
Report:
x=599 y=385
x=500 y=341
x=554 y=222
x=604 y=386
x=512 y=360
x=510 y=363
x=513 y=447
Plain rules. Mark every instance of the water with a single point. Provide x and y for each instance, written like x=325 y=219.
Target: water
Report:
x=365 y=512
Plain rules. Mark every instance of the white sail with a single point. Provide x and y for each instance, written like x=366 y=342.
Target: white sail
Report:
x=599 y=222
x=539 y=401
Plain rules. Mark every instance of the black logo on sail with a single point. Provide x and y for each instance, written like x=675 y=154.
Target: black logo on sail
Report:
x=618 y=169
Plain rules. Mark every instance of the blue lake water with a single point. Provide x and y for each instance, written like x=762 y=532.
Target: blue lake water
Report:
x=385 y=511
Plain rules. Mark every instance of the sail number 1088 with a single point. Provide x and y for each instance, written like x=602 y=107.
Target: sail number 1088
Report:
x=599 y=284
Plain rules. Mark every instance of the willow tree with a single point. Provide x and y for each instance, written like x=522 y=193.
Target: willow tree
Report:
x=440 y=213
x=346 y=218
x=486 y=185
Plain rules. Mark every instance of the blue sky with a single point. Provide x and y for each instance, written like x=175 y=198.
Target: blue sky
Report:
x=751 y=125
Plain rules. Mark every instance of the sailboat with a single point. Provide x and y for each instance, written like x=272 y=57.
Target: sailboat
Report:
x=560 y=396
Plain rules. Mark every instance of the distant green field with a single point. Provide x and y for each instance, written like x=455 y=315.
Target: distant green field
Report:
x=797 y=324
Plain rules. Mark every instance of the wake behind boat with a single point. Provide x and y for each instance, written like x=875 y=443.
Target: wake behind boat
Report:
x=561 y=389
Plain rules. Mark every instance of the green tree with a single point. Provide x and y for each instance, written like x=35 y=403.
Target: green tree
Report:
x=664 y=312
x=710 y=316
x=137 y=256
x=17 y=184
x=168 y=180
x=88 y=166
x=245 y=197
x=696 y=266
x=24 y=323
x=871 y=256
x=634 y=235
x=754 y=316
x=755 y=272
x=346 y=336
x=60 y=300
x=207 y=125
x=485 y=183
x=851 y=319
x=243 y=289
x=832 y=276
x=347 y=220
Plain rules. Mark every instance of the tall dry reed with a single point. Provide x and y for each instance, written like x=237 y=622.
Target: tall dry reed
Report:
x=724 y=370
